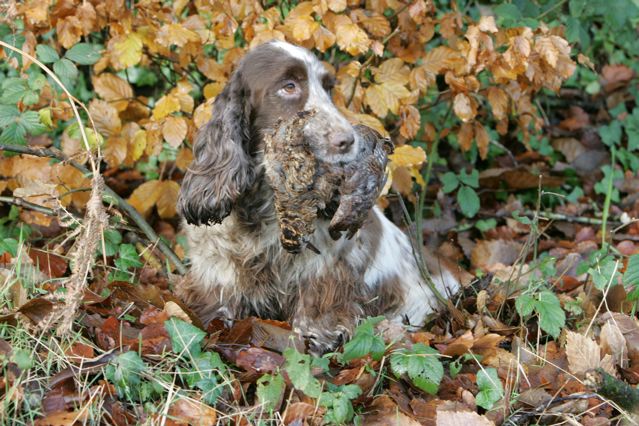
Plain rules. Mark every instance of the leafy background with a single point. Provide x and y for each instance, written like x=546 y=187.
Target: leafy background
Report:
x=516 y=125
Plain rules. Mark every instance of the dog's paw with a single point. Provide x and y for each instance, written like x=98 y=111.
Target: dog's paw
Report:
x=321 y=341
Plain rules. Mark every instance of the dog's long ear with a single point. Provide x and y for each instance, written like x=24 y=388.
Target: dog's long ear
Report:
x=221 y=169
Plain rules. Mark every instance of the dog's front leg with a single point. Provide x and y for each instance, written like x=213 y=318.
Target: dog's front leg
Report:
x=328 y=310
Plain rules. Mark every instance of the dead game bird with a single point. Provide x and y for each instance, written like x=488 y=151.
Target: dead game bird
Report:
x=305 y=186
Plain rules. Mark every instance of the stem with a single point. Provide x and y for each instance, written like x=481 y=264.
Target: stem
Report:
x=606 y=209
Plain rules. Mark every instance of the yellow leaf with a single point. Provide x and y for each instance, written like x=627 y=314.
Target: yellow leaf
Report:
x=392 y=71
x=301 y=27
x=487 y=24
x=137 y=145
x=106 y=118
x=125 y=50
x=211 y=69
x=350 y=37
x=376 y=25
x=385 y=97
x=165 y=106
x=323 y=38
x=407 y=156
x=337 y=6
x=203 y=113
x=498 y=100
x=547 y=49
x=174 y=130
x=175 y=34
x=115 y=151
x=167 y=199
x=302 y=9
x=211 y=90
x=440 y=58
x=114 y=89
x=463 y=107
x=145 y=196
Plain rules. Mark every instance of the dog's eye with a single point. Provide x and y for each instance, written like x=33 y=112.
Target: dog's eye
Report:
x=289 y=88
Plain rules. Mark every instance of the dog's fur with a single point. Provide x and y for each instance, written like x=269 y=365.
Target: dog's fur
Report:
x=239 y=267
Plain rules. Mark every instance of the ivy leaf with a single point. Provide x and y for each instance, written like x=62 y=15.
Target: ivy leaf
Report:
x=124 y=372
x=128 y=258
x=84 y=53
x=468 y=201
x=298 y=367
x=46 y=54
x=185 y=337
x=450 y=182
x=551 y=317
x=421 y=364
x=490 y=388
x=270 y=390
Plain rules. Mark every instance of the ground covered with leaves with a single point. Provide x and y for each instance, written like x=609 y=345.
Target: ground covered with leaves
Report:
x=516 y=127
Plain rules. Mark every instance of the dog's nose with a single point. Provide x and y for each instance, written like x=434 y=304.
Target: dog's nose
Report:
x=342 y=140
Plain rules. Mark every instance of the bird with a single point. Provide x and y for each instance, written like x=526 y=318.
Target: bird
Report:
x=307 y=187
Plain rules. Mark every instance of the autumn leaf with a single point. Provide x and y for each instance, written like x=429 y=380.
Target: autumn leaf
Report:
x=498 y=100
x=410 y=123
x=167 y=198
x=350 y=37
x=174 y=130
x=114 y=89
x=392 y=71
x=385 y=97
x=175 y=34
x=464 y=107
x=482 y=139
x=145 y=196
x=125 y=50
x=465 y=136
x=106 y=118
x=166 y=105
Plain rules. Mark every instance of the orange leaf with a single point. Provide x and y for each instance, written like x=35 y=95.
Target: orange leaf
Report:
x=385 y=97
x=408 y=156
x=106 y=118
x=167 y=199
x=498 y=100
x=411 y=121
x=392 y=71
x=175 y=34
x=174 y=130
x=350 y=37
x=465 y=136
x=482 y=139
x=114 y=89
x=191 y=412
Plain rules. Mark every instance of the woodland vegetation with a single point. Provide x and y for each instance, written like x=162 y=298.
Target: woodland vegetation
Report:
x=516 y=125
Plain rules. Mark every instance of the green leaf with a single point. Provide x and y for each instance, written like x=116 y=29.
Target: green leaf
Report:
x=631 y=124
x=449 y=181
x=525 y=304
x=14 y=133
x=365 y=342
x=185 y=337
x=631 y=276
x=551 y=317
x=8 y=114
x=124 y=372
x=65 y=70
x=508 y=11
x=128 y=258
x=13 y=90
x=112 y=239
x=22 y=358
x=421 y=364
x=298 y=367
x=31 y=121
x=602 y=272
x=486 y=224
x=270 y=390
x=471 y=180
x=46 y=54
x=84 y=53
x=576 y=7
x=490 y=388
x=468 y=201
x=611 y=133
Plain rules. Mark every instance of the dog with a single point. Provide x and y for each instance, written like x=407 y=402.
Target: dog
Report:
x=238 y=265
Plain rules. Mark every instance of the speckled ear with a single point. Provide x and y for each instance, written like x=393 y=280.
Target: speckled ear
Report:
x=221 y=169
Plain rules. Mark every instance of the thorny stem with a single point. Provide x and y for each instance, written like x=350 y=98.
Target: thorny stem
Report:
x=126 y=207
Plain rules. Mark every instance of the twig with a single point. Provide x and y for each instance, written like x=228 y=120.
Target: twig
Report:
x=21 y=202
x=126 y=207
x=556 y=217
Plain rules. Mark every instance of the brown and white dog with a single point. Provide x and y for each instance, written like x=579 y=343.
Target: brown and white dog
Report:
x=238 y=266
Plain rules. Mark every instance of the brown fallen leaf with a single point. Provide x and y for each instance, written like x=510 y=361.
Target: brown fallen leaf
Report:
x=461 y=418
x=190 y=412
x=584 y=355
x=613 y=343
x=383 y=411
x=63 y=418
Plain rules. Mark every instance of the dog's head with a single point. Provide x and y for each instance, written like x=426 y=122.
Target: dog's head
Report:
x=272 y=82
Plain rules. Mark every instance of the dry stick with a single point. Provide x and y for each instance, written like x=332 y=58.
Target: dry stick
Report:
x=126 y=207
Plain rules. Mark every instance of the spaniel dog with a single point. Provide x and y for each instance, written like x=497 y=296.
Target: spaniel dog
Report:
x=238 y=265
